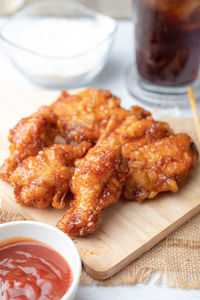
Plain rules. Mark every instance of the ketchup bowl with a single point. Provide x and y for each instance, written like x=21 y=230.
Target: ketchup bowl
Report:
x=46 y=256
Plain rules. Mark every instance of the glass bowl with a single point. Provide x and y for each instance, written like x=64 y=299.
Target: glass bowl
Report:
x=58 y=43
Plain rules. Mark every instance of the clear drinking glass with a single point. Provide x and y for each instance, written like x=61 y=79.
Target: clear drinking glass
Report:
x=167 y=50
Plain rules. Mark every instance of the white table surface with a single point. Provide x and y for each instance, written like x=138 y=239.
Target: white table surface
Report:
x=112 y=78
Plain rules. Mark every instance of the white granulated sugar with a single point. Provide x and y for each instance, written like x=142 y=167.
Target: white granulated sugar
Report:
x=59 y=38
x=56 y=37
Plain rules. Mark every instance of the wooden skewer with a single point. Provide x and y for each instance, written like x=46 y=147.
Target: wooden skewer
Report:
x=195 y=111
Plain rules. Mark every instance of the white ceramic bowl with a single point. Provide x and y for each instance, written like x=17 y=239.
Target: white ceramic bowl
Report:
x=54 y=238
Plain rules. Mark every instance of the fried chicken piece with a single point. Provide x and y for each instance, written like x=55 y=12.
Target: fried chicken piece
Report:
x=140 y=113
x=85 y=115
x=30 y=135
x=45 y=178
x=97 y=183
x=145 y=132
x=99 y=177
x=134 y=130
x=158 y=167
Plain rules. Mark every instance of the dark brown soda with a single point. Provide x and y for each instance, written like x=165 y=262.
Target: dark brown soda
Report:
x=167 y=34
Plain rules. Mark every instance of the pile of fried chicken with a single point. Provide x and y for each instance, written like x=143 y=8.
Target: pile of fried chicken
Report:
x=87 y=150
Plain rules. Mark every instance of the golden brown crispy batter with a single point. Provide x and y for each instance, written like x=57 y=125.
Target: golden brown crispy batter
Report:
x=134 y=130
x=158 y=167
x=45 y=178
x=140 y=113
x=85 y=115
x=97 y=183
x=29 y=136
x=130 y=146
x=142 y=133
x=99 y=177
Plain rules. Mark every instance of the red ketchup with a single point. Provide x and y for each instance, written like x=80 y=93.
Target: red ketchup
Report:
x=30 y=270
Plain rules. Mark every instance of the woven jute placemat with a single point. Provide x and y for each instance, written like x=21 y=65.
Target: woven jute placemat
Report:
x=178 y=256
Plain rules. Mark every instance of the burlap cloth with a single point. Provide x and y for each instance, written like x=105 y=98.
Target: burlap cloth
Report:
x=178 y=256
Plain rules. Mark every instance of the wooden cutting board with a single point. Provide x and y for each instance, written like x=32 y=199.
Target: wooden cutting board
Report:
x=127 y=229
